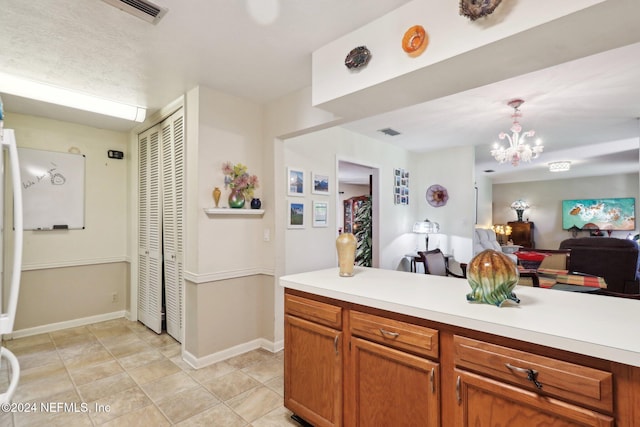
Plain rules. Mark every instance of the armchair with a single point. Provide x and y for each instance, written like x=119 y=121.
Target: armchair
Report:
x=485 y=238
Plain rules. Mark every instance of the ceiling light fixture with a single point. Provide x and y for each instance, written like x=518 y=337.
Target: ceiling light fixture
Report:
x=518 y=150
x=60 y=96
x=561 y=166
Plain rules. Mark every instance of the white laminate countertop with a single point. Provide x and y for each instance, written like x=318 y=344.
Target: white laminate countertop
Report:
x=594 y=325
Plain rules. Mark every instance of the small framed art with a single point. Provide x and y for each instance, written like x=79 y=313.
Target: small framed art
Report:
x=320 y=213
x=319 y=183
x=295 y=219
x=400 y=186
x=295 y=182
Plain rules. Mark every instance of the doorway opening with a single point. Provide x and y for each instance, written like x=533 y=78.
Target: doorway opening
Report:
x=358 y=208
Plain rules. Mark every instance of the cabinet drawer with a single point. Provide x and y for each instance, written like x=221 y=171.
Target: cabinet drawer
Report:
x=314 y=311
x=394 y=333
x=553 y=377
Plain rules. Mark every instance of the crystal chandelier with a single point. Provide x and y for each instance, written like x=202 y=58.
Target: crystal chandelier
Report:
x=518 y=150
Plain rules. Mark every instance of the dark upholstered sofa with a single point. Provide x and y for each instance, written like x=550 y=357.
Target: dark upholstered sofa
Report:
x=614 y=259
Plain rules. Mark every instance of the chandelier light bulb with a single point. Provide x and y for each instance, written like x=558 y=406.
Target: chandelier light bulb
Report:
x=518 y=150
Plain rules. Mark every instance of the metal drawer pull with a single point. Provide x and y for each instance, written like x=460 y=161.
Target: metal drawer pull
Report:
x=532 y=375
x=458 y=389
x=432 y=380
x=389 y=333
x=335 y=344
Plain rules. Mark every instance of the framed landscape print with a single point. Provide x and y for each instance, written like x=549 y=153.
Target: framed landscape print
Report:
x=295 y=182
x=319 y=183
x=295 y=217
x=320 y=213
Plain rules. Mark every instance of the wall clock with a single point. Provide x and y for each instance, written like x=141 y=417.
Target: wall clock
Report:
x=437 y=195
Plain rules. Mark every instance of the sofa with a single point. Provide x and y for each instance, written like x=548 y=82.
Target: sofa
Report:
x=616 y=260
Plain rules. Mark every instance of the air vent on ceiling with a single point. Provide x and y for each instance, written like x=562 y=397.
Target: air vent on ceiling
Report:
x=389 y=131
x=142 y=9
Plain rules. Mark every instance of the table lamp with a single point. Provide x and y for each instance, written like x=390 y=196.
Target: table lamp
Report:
x=425 y=227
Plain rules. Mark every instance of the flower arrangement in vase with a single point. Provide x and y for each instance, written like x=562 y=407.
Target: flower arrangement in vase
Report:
x=240 y=182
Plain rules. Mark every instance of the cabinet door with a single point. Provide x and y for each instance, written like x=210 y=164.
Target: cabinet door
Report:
x=313 y=371
x=392 y=388
x=483 y=402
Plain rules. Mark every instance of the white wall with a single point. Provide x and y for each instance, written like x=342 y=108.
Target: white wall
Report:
x=319 y=151
x=453 y=169
x=56 y=264
x=545 y=199
x=104 y=238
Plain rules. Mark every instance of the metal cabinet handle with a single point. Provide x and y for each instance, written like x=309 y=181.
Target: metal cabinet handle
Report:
x=458 y=383
x=335 y=344
x=432 y=380
x=532 y=375
x=389 y=333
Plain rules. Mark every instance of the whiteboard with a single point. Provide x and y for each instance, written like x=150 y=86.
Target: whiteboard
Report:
x=52 y=189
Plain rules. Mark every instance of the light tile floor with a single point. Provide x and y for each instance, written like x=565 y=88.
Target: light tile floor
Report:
x=119 y=373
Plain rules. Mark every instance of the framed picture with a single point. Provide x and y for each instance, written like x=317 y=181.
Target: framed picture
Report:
x=295 y=219
x=295 y=182
x=320 y=213
x=319 y=183
x=400 y=186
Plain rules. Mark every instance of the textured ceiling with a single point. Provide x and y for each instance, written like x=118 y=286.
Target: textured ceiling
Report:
x=261 y=50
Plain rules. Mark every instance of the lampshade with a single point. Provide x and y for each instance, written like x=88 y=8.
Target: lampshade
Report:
x=426 y=227
x=519 y=205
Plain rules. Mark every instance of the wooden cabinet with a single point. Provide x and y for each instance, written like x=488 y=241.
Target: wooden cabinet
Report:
x=350 y=210
x=313 y=361
x=512 y=387
x=522 y=234
x=388 y=386
x=352 y=365
x=484 y=402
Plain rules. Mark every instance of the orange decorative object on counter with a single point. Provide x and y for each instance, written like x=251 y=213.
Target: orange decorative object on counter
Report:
x=415 y=40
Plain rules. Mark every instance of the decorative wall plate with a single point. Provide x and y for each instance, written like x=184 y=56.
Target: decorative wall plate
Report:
x=415 y=40
x=358 y=57
x=474 y=9
x=437 y=195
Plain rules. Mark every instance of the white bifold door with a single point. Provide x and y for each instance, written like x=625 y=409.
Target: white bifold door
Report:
x=160 y=225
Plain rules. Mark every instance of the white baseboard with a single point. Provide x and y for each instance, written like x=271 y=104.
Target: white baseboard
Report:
x=228 y=353
x=64 y=325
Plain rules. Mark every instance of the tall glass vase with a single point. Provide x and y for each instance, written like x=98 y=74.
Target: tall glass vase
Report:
x=346 y=246
x=236 y=199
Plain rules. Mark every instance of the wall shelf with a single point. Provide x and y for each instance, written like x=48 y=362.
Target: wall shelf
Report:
x=229 y=211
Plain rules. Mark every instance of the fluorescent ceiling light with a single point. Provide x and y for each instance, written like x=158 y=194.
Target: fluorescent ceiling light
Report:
x=60 y=96
x=562 y=166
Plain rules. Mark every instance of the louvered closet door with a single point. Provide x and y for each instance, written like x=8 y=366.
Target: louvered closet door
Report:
x=172 y=213
x=149 y=237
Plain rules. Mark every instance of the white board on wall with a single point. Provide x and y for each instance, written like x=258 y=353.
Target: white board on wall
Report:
x=52 y=189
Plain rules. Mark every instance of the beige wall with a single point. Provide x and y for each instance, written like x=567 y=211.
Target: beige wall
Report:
x=229 y=284
x=73 y=274
x=228 y=314
x=545 y=199
x=65 y=294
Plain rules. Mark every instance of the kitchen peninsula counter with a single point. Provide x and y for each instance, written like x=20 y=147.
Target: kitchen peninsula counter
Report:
x=592 y=325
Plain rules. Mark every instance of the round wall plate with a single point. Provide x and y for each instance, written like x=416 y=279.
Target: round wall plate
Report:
x=415 y=40
x=358 y=57
x=437 y=195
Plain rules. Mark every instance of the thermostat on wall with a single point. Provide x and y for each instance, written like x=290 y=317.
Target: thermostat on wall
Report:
x=113 y=154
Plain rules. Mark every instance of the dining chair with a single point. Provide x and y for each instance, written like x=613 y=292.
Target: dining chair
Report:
x=436 y=263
